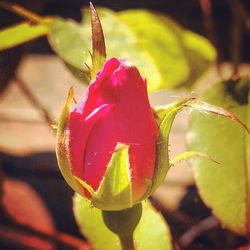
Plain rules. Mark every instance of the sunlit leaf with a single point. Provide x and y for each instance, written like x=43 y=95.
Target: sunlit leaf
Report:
x=180 y=56
x=166 y=54
x=224 y=188
x=23 y=32
x=70 y=43
x=151 y=232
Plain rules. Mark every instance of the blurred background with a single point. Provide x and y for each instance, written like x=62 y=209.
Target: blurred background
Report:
x=33 y=87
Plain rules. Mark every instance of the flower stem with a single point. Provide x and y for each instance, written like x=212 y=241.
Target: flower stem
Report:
x=123 y=224
x=127 y=242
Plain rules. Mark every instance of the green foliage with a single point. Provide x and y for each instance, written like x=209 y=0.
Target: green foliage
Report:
x=225 y=187
x=68 y=40
x=166 y=54
x=180 y=56
x=151 y=232
x=23 y=32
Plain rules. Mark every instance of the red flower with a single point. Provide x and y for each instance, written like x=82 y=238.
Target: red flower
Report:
x=114 y=111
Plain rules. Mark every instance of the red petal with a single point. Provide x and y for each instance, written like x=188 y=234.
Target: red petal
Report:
x=94 y=132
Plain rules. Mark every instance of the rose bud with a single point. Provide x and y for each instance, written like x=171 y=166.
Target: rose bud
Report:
x=106 y=145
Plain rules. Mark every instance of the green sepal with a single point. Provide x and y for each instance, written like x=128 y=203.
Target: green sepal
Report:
x=165 y=117
x=190 y=154
x=98 y=43
x=216 y=110
x=114 y=192
x=85 y=185
x=62 y=144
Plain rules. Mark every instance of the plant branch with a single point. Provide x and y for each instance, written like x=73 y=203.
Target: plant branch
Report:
x=209 y=26
x=27 y=14
x=237 y=27
x=188 y=237
x=34 y=100
x=245 y=15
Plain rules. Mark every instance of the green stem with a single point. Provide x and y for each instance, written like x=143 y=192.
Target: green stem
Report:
x=127 y=242
x=123 y=224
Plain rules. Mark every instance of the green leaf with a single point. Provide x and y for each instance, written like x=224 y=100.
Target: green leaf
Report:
x=114 y=192
x=23 y=32
x=151 y=232
x=69 y=42
x=165 y=50
x=225 y=189
x=172 y=59
x=180 y=56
